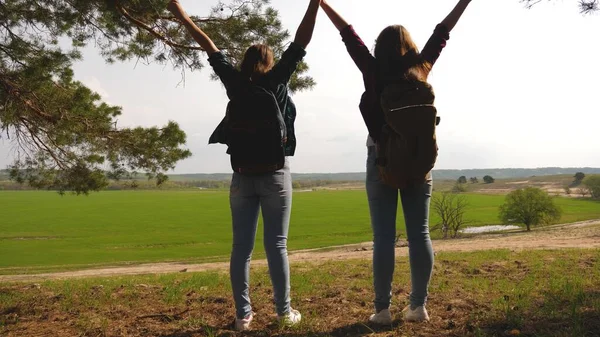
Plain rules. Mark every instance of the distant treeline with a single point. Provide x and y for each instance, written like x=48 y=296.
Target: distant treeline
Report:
x=505 y=173
x=174 y=185
x=513 y=173
x=311 y=180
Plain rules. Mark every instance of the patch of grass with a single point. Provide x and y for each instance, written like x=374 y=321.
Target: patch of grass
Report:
x=192 y=323
x=535 y=293
x=44 y=232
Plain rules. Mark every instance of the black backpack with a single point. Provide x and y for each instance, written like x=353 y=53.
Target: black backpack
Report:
x=255 y=131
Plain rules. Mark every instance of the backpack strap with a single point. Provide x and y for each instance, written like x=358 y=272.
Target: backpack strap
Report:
x=279 y=113
x=413 y=106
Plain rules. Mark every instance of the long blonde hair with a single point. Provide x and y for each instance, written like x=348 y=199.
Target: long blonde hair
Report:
x=397 y=55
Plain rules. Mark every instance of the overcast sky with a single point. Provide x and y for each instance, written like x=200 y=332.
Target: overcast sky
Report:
x=515 y=87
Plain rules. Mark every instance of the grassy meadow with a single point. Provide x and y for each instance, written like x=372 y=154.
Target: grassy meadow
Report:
x=46 y=231
x=492 y=293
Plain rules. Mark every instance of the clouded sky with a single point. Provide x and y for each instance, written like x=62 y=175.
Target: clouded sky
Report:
x=515 y=87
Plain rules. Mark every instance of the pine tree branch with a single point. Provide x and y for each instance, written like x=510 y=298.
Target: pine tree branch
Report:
x=13 y=90
x=149 y=29
x=14 y=58
x=42 y=146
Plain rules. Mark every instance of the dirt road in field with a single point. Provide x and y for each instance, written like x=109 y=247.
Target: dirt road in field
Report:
x=585 y=234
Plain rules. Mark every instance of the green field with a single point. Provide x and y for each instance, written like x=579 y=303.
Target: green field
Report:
x=42 y=230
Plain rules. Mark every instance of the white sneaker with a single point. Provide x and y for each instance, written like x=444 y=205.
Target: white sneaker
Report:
x=291 y=318
x=384 y=317
x=417 y=315
x=243 y=324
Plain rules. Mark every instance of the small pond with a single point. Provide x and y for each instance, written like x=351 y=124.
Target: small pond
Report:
x=487 y=229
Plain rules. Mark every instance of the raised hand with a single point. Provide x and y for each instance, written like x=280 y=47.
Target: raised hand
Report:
x=203 y=40
x=334 y=16
x=452 y=18
x=175 y=7
x=307 y=26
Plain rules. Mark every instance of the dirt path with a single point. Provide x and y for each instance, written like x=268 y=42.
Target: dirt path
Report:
x=585 y=234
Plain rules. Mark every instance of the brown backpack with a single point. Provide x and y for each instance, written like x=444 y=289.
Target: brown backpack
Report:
x=407 y=149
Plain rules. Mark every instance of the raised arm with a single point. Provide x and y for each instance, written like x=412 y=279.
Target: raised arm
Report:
x=452 y=18
x=337 y=20
x=203 y=40
x=307 y=26
x=356 y=47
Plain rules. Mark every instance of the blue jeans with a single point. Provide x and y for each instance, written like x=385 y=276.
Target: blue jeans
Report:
x=271 y=193
x=383 y=205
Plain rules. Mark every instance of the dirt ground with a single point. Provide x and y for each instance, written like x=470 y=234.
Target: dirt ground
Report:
x=336 y=302
x=585 y=234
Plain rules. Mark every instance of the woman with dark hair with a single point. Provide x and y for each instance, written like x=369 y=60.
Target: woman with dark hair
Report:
x=255 y=185
x=396 y=57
